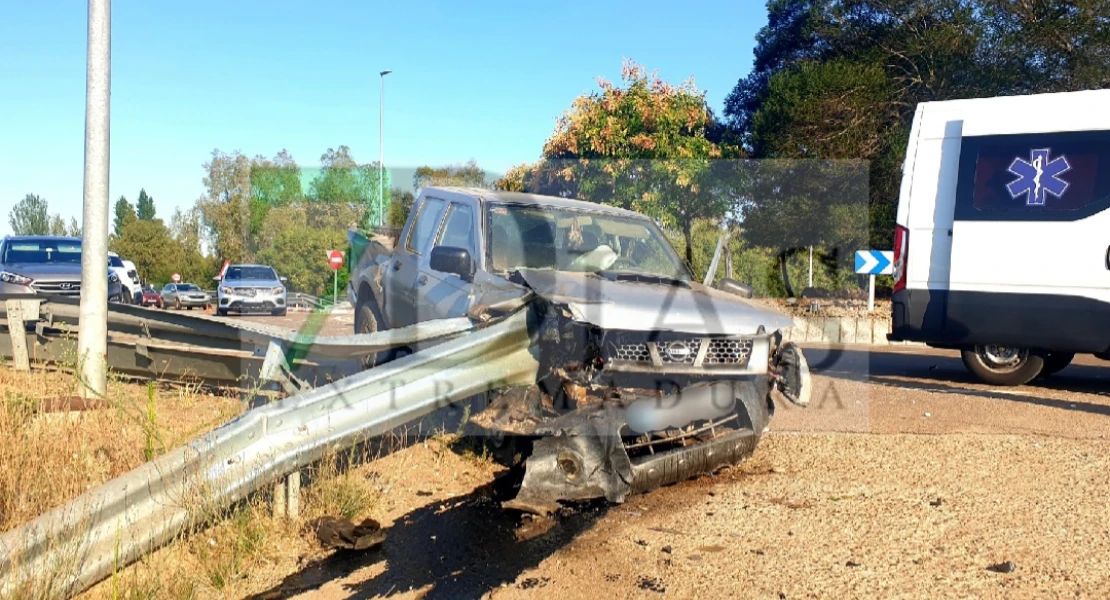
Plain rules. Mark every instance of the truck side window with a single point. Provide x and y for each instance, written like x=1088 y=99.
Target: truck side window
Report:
x=458 y=230
x=425 y=226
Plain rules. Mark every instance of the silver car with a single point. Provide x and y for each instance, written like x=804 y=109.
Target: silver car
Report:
x=47 y=265
x=184 y=295
x=251 y=288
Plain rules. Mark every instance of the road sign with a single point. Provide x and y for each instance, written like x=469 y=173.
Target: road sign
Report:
x=874 y=262
x=176 y=277
x=335 y=259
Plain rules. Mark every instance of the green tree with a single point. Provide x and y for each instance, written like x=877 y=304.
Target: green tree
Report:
x=400 y=205
x=300 y=254
x=464 y=175
x=225 y=208
x=648 y=146
x=150 y=245
x=344 y=181
x=144 y=208
x=124 y=214
x=30 y=216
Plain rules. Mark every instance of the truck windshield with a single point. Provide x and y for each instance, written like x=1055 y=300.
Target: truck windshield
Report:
x=42 y=251
x=246 y=273
x=561 y=239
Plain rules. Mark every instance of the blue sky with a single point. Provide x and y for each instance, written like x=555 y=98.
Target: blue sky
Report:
x=479 y=80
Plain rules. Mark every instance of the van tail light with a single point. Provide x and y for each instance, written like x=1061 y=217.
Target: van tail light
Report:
x=901 y=251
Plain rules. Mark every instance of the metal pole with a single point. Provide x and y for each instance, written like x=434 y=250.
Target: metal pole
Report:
x=92 y=338
x=335 y=289
x=381 y=146
x=811 y=266
x=871 y=293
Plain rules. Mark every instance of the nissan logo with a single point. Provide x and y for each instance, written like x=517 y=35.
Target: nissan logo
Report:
x=678 y=351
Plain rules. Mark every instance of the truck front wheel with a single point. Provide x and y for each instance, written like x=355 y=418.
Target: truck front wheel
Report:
x=1003 y=365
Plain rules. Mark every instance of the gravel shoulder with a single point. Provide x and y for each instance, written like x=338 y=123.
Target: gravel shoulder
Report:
x=912 y=486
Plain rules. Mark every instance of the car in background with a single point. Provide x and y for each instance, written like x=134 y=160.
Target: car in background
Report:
x=150 y=297
x=251 y=288
x=46 y=265
x=133 y=273
x=131 y=287
x=184 y=295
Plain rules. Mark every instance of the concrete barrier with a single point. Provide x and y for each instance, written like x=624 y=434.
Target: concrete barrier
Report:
x=869 y=331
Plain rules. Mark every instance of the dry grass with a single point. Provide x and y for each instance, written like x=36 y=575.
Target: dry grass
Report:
x=48 y=459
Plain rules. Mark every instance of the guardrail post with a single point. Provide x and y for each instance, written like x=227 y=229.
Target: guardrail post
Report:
x=20 y=311
x=279 y=499
x=293 y=495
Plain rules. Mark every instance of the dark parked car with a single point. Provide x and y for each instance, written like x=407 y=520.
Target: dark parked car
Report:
x=50 y=265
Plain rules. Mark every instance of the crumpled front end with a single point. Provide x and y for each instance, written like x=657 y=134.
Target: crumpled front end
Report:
x=618 y=412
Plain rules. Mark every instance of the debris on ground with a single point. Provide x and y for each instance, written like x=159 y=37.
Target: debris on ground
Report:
x=1003 y=567
x=335 y=533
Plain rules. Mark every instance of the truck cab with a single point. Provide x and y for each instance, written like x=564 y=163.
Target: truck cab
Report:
x=1002 y=243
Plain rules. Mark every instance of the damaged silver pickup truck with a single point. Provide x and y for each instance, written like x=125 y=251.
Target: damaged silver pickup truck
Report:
x=646 y=377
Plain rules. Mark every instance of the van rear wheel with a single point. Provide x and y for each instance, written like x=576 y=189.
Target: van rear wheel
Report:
x=1054 y=362
x=1003 y=365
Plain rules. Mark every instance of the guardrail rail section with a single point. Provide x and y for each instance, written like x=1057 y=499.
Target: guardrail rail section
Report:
x=70 y=548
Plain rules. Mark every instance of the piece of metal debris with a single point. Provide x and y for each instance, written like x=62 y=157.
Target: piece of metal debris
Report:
x=337 y=533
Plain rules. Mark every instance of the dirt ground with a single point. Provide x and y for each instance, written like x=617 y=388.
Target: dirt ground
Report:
x=903 y=479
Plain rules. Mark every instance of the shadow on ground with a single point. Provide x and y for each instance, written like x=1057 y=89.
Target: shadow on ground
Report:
x=944 y=373
x=459 y=548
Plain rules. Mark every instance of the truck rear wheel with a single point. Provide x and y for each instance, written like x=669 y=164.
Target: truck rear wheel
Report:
x=1003 y=365
x=366 y=321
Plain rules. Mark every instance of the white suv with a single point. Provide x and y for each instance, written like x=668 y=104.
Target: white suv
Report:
x=251 y=288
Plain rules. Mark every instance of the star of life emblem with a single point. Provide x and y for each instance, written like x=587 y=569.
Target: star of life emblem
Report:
x=1039 y=177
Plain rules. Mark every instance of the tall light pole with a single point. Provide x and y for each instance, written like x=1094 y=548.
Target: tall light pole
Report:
x=381 y=153
x=92 y=337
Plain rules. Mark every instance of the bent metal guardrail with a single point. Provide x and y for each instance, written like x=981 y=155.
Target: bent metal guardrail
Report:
x=74 y=546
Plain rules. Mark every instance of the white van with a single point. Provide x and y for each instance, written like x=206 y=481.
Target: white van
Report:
x=128 y=277
x=1002 y=244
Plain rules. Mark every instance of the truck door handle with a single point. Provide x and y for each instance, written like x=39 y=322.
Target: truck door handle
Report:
x=396 y=265
x=423 y=279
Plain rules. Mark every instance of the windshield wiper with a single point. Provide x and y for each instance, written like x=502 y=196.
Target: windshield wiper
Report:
x=641 y=278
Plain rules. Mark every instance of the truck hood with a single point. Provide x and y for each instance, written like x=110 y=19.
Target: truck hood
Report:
x=646 y=305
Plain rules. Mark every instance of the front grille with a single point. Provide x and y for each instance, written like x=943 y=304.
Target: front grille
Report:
x=62 y=288
x=728 y=351
x=697 y=352
x=636 y=352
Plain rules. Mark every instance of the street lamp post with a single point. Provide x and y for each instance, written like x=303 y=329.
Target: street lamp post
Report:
x=381 y=153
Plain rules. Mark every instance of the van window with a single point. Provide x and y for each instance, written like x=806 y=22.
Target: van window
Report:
x=1053 y=176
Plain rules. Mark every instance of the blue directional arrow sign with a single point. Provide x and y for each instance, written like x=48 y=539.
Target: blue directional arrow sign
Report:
x=874 y=262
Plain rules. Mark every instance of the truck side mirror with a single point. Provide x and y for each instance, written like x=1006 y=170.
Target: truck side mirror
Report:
x=735 y=287
x=449 y=259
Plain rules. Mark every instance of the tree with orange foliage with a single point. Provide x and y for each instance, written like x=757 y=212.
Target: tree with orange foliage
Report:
x=647 y=146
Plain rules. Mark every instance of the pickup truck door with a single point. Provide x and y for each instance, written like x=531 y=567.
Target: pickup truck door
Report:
x=409 y=260
x=445 y=295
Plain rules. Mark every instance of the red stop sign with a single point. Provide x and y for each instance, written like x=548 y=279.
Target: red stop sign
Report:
x=335 y=259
